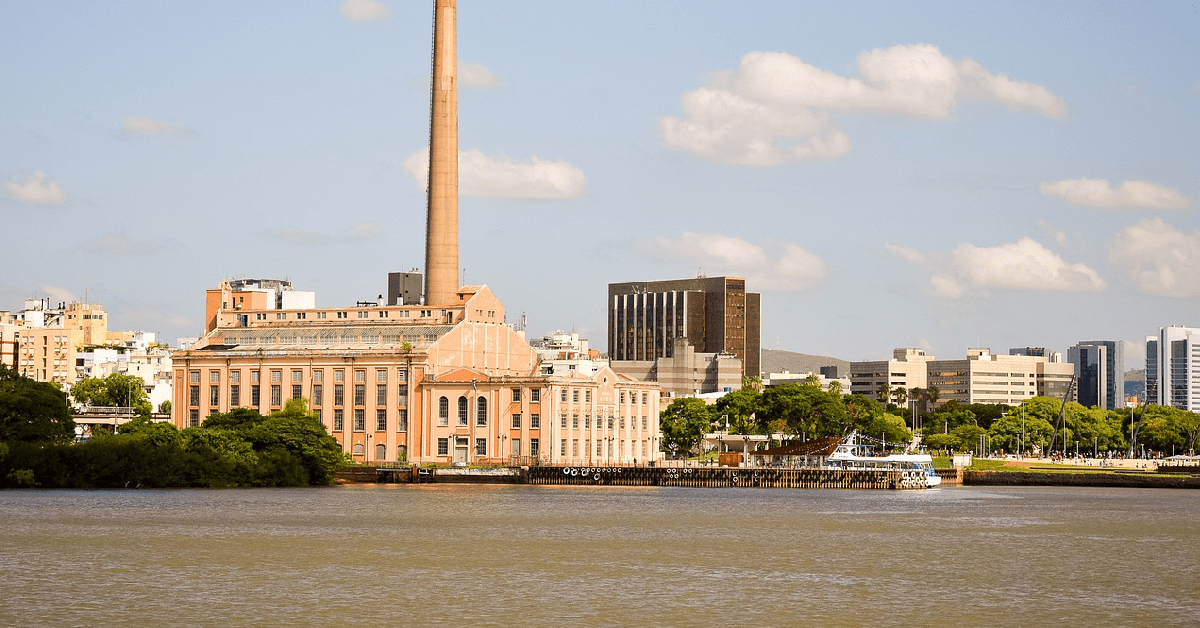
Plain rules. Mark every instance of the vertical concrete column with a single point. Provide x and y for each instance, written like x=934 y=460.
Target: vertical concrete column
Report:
x=441 y=229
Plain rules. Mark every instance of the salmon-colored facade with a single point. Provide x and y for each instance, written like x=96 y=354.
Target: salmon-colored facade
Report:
x=423 y=384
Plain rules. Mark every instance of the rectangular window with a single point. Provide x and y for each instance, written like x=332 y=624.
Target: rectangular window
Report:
x=644 y=402
x=562 y=449
x=402 y=420
x=253 y=377
x=380 y=420
x=443 y=411
x=599 y=448
x=535 y=421
x=338 y=420
x=339 y=375
x=214 y=377
x=535 y=395
x=574 y=421
x=360 y=376
x=296 y=391
x=194 y=395
x=443 y=447
x=516 y=395
x=610 y=423
x=339 y=394
x=276 y=395
x=402 y=394
x=194 y=376
x=317 y=415
x=318 y=376
x=360 y=394
x=360 y=420
x=622 y=422
x=276 y=377
x=516 y=423
x=533 y=447
x=235 y=395
x=214 y=396
x=480 y=446
x=381 y=376
x=587 y=421
x=381 y=394
x=254 y=396
x=193 y=418
x=297 y=377
x=318 y=395
x=516 y=447
x=574 y=447
x=563 y=395
x=575 y=396
x=587 y=396
x=622 y=396
x=235 y=377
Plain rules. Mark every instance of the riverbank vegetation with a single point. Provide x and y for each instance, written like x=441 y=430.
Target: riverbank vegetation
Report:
x=806 y=410
x=241 y=448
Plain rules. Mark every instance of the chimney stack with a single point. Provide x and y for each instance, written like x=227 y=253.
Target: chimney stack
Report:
x=441 y=227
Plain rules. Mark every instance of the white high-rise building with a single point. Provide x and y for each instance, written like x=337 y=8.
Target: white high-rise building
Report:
x=1173 y=368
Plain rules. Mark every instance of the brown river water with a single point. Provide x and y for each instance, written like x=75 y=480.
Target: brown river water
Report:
x=472 y=555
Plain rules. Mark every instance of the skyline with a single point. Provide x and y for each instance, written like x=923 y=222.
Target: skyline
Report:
x=884 y=176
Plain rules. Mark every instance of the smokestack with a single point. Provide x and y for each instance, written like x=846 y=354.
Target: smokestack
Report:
x=441 y=226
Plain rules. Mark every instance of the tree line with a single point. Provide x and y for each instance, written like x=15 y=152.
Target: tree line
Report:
x=240 y=448
x=806 y=410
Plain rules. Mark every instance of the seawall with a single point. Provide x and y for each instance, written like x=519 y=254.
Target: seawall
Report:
x=1122 y=480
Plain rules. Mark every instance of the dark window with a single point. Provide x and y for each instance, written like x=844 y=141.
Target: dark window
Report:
x=481 y=411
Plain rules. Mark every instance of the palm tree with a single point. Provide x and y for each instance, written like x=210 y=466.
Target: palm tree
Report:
x=932 y=393
x=835 y=387
x=885 y=393
x=900 y=395
x=812 y=380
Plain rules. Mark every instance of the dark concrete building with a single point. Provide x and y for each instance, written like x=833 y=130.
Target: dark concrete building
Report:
x=714 y=314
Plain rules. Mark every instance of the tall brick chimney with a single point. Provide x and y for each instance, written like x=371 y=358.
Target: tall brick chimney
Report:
x=441 y=223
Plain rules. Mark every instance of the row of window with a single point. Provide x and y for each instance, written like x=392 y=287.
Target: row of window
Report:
x=297 y=376
x=612 y=422
x=317 y=401
x=625 y=448
x=587 y=396
x=359 y=418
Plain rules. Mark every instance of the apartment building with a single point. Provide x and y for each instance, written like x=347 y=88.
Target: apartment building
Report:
x=907 y=369
x=984 y=377
x=1173 y=368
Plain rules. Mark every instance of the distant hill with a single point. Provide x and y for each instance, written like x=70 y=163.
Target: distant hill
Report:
x=778 y=361
x=1135 y=382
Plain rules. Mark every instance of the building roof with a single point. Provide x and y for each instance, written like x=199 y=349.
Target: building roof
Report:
x=328 y=336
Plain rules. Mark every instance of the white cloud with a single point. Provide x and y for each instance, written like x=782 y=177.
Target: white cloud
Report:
x=357 y=234
x=141 y=125
x=476 y=76
x=791 y=268
x=60 y=295
x=364 y=10
x=776 y=109
x=1099 y=193
x=122 y=245
x=1023 y=265
x=37 y=190
x=501 y=177
x=1160 y=259
x=1060 y=238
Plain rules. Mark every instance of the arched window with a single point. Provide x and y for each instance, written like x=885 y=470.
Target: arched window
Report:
x=443 y=411
x=481 y=411
x=380 y=451
x=462 y=410
x=358 y=449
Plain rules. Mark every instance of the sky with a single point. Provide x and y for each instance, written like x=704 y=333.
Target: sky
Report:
x=941 y=175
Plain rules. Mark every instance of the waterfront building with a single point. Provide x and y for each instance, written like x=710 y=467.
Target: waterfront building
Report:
x=716 y=315
x=687 y=372
x=1173 y=368
x=416 y=383
x=984 y=377
x=561 y=353
x=1099 y=372
x=907 y=369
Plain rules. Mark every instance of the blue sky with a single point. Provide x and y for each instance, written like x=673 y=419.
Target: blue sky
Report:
x=935 y=175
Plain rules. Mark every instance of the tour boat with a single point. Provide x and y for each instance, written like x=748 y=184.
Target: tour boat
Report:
x=853 y=453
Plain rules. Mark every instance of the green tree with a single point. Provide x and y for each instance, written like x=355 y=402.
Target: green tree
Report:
x=806 y=410
x=737 y=407
x=117 y=390
x=684 y=423
x=1006 y=433
x=32 y=411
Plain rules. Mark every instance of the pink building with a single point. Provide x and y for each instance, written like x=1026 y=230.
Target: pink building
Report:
x=425 y=384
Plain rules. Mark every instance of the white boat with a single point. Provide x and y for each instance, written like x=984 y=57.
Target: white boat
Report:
x=853 y=453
